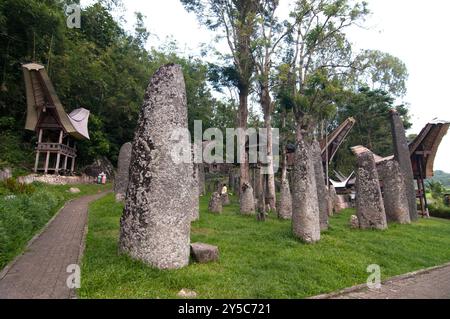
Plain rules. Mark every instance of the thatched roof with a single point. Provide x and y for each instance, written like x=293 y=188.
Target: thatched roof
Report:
x=331 y=144
x=425 y=146
x=41 y=94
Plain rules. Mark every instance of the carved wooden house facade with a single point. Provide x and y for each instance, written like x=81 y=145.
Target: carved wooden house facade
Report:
x=56 y=130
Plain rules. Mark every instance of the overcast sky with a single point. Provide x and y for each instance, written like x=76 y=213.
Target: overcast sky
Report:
x=415 y=31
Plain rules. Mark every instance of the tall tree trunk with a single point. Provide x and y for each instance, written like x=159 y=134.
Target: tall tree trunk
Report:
x=266 y=102
x=246 y=205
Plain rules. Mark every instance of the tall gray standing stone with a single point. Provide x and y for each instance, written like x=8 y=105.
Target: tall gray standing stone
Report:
x=195 y=194
x=155 y=226
x=394 y=192
x=403 y=157
x=285 y=207
x=305 y=206
x=247 y=200
x=201 y=179
x=322 y=192
x=369 y=201
x=123 y=170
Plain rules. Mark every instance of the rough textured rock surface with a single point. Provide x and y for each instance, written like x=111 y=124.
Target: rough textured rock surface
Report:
x=305 y=206
x=5 y=174
x=369 y=201
x=215 y=203
x=322 y=192
x=394 y=192
x=74 y=190
x=403 y=157
x=330 y=203
x=226 y=200
x=341 y=203
x=123 y=170
x=201 y=179
x=204 y=253
x=285 y=206
x=354 y=222
x=100 y=165
x=155 y=226
x=247 y=201
x=332 y=199
x=194 y=194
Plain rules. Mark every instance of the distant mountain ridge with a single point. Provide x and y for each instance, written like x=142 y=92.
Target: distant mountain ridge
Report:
x=442 y=177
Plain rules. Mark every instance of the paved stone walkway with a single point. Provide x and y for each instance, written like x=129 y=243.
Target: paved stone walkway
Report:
x=428 y=284
x=40 y=273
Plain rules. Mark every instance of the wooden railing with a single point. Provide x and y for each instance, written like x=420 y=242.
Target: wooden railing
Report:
x=56 y=148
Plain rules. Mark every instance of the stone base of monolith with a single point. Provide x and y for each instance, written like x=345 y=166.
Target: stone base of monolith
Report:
x=215 y=203
x=305 y=206
x=247 y=200
x=322 y=192
x=285 y=205
x=394 y=192
x=123 y=169
x=155 y=225
x=369 y=201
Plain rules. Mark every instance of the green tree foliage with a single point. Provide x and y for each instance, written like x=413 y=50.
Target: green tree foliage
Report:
x=370 y=109
x=99 y=67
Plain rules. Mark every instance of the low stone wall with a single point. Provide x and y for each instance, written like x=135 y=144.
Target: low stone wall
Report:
x=56 y=180
x=5 y=174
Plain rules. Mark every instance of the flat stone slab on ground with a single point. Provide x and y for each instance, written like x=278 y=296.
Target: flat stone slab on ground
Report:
x=204 y=253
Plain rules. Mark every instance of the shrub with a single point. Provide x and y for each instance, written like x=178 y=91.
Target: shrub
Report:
x=21 y=217
x=17 y=188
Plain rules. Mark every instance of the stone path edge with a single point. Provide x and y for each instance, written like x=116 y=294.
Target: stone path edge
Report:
x=8 y=267
x=388 y=281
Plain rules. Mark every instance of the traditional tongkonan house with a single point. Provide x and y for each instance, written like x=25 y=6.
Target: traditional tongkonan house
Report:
x=57 y=131
x=423 y=153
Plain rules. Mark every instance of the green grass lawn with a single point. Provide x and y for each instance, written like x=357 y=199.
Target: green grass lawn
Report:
x=24 y=215
x=259 y=260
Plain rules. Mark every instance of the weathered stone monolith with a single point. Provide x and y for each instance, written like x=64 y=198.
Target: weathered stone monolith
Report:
x=305 y=206
x=155 y=226
x=247 y=200
x=332 y=197
x=394 y=192
x=201 y=179
x=285 y=206
x=403 y=157
x=215 y=203
x=322 y=192
x=123 y=170
x=195 y=194
x=369 y=201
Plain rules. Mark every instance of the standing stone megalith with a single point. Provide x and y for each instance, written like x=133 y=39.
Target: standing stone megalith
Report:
x=305 y=206
x=322 y=192
x=403 y=157
x=195 y=194
x=394 y=192
x=123 y=169
x=215 y=203
x=285 y=206
x=155 y=225
x=247 y=200
x=369 y=201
